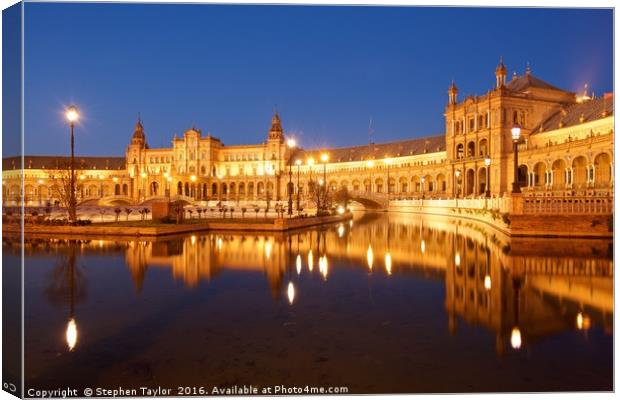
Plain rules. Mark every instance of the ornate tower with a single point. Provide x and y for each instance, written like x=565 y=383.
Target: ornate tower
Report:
x=275 y=156
x=500 y=74
x=453 y=92
x=138 y=137
x=276 y=133
x=136 y=157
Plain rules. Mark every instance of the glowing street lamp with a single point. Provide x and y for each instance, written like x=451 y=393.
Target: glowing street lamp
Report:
x=72 y=116
x=457 y=184
x=516 y=135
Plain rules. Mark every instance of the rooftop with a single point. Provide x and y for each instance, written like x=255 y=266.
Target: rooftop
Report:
x=400 y=148
x=526 y=81
x=54 y=162
x=578 y=113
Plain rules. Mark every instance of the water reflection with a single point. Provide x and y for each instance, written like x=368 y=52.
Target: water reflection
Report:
x=520 y=291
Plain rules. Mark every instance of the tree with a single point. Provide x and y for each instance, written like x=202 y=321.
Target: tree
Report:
x=117 y=211
x=102 y=211
x=66 y=189
x=321 y=198
x=128 y=211
x=342 y=196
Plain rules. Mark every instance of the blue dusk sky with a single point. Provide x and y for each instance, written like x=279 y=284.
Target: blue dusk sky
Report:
x=327 y=70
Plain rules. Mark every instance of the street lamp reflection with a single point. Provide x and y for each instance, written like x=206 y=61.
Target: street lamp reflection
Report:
x=515 y=338
x=310 y=260
x=369 y=257
x=291 y=292
x=298 y=264
x=71 y=334
x=487 y=282
x=388 y=263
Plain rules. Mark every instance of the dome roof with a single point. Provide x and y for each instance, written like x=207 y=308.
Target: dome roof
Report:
x=501 y=68
x=453 y=88
x=138 y=132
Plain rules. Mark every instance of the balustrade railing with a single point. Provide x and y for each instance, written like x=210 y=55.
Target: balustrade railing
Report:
x=568 y=205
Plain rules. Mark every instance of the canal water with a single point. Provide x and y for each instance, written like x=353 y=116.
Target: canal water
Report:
x=386 y=303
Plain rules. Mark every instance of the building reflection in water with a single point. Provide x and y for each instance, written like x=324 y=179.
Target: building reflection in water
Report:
x=520 y=290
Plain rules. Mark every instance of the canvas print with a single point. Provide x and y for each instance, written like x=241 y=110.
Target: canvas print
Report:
x=235 y=199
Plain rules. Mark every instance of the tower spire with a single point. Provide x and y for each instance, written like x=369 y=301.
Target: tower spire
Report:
x=453 y=92
x=500 y=73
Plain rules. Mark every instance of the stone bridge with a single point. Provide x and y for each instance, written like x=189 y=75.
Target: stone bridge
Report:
x=125 y=200
x=372 y=201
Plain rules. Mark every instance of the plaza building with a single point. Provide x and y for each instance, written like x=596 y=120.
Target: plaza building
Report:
x=565 y=150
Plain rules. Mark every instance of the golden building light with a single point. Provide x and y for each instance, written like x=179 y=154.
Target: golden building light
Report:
x=115 y=179
x=457 y=259
x=324 y=157
x=298 y=162
x=192 y=178
x=143 y=174
x=310 y=161
x=370 y=163
x=291 y=142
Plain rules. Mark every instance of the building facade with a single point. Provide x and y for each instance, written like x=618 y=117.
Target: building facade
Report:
x=565 y=149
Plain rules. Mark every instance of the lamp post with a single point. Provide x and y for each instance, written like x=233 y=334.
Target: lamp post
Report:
x=310 y=162
x=487 y=163
x=298 y=163
x=72 y=116
x=388 y=161
x=457 y=188
x=324 y=159
x=168 y=180
x=423 y=180
x=291 y=144
x=516 y=135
